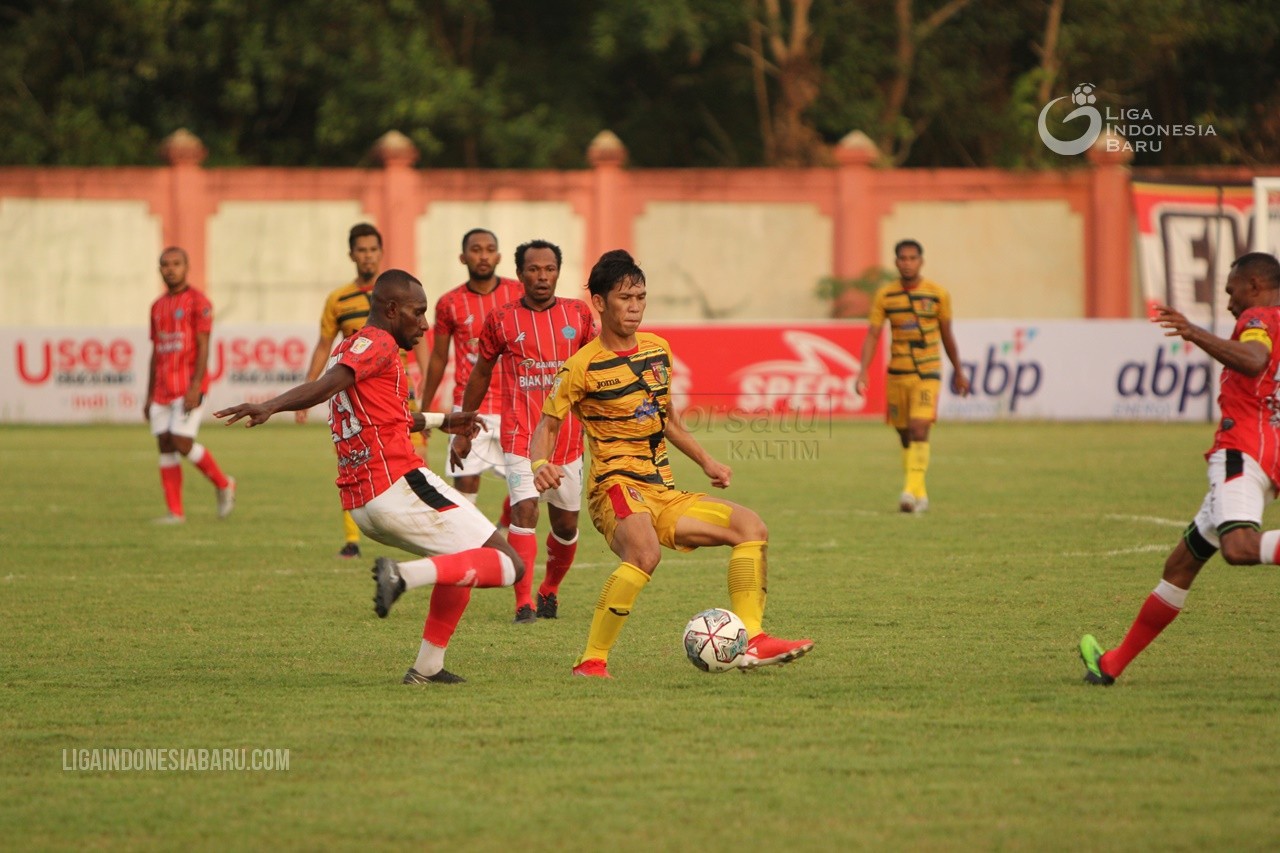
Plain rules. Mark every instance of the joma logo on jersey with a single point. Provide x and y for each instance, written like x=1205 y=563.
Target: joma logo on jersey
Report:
x=608 y=383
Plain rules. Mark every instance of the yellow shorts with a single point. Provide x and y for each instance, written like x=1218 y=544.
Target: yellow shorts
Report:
x=617 y=501
x=910 y=398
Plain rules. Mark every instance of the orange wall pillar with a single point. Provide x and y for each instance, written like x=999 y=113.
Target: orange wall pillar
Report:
x=400 y=202
x=1108 y=244
x=856 y=230
x=610 y=228
x=189 y=207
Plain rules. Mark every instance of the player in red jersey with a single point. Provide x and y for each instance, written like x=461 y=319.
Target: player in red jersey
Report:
x=392 y=497
x=532 y=337
x=460 y=315
x=1244 y=462
x=177 y=381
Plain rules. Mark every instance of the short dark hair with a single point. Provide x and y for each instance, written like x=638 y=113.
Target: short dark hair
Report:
x=474 y=231
x=179 y=250
x=902 y=244
x=1259 y=264
x=364 y=229
x=536 y=244
x=613 y=268
x=392 y=284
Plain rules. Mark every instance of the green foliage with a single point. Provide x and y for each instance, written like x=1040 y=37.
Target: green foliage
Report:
x=941 y=709
x=499 y=83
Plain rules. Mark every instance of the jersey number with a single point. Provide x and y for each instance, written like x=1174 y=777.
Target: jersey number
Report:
x=344 y=417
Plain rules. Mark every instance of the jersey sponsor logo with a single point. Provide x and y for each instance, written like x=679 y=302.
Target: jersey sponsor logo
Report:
x=528 y=363
x=361 y=345
x=354 y=459
x=646 y=410
x=821 y=378
x=608 y=383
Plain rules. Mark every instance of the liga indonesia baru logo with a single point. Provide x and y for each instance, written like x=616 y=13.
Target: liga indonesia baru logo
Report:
x=1132 y=129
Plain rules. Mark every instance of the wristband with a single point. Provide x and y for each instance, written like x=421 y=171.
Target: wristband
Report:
x=537 y=463
x=431 y=420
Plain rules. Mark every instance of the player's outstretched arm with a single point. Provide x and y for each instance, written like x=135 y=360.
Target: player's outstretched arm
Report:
x=1247 y=357
x=466 y=424
x=717 y=472
x=319 y=356
x=546 y=475
x=338 y=378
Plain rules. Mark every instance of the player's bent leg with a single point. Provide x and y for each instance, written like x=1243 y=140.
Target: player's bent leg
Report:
x=1241 y=543
x=1161 y=607
x=635 y=542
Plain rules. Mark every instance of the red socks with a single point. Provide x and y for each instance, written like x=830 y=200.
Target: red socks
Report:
x=483 y=567
x=447 y=606
x=1154 y=617
x=559 y=561
x=525 y=543
x=171 y=480
x=203 y=459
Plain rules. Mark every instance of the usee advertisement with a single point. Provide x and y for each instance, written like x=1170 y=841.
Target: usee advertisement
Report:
x=1055 y=370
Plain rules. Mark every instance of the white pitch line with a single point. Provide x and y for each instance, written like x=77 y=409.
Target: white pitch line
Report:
x=1149 y=519
x=1116 y=552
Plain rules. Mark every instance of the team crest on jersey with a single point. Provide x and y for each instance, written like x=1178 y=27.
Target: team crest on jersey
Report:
x=569 y=333
x=660 y=372
x=361 y=345
x=177 y=315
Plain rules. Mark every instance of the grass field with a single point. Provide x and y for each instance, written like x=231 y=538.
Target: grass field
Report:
x=942 y=708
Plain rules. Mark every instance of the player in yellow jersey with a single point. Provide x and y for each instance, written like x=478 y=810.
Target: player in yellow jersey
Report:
x=919 y=315
x=346 y=309
x=619 y=386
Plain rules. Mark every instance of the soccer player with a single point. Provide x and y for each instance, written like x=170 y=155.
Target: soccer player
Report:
x=919 y=315
x=178 y=379
x=533 y=336
x=1244 y=461
x=345 y=311
x=619 y=386
x=460 y=314
x=390 y=494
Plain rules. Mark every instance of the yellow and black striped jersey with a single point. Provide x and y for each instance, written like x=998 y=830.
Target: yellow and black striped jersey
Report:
x=622 y=401
x=915 y=316
x=346 y=310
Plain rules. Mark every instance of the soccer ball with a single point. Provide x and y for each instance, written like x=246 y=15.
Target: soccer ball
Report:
x=715 y=640
x=1083 y=95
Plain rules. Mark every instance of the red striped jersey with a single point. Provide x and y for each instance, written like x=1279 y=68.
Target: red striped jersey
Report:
x=530 y=346
x=176 y=320
x=1250 y=404
x=460 y=315
x=370 y=421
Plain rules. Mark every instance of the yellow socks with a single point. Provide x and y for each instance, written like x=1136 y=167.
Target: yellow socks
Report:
x=748 y=584
x=917 y=456
x=612 y=609
x=349 y=529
